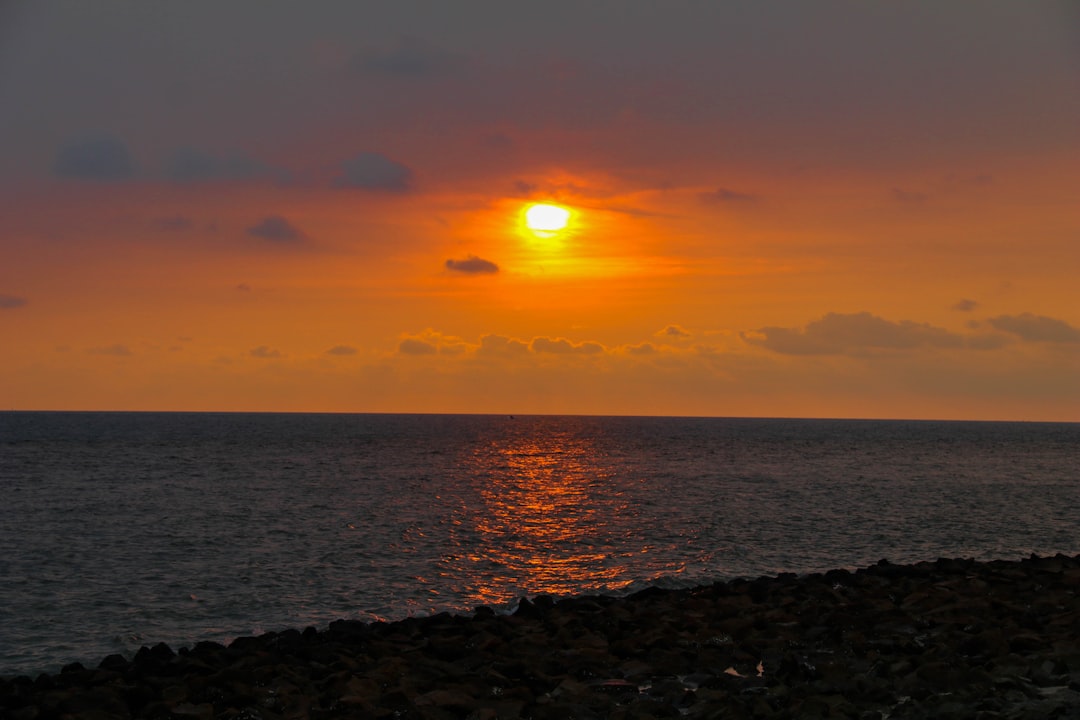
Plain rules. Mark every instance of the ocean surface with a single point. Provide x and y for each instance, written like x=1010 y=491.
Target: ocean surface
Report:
x=119 y=530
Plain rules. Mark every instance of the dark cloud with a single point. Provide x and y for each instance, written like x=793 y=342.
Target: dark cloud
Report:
x=341 y=350
x=644 y=348
x=1036 y=328
x=524 y=188
x=10 y=302
x=908 y=197
x=472 y=265
x=174 y=224
x=839 y=334
x=674 y=332
x=561 y=346
x=265 y=353
x=374 y=171
x=100 y=157
x=413 y=346
x=276 y=229
x=452 y=348
x=191 y=165
x=497 y=141
x=411 y=57
x=502 y=346
x=987 y=341
x=978 y=180
x=117 y=350
x=965 y=305
x=724 y=195
x=243 y=287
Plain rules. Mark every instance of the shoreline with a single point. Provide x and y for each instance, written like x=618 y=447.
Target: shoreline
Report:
x=948 y=638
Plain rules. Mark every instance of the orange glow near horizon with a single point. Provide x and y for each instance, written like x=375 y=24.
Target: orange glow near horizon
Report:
x=460 y=224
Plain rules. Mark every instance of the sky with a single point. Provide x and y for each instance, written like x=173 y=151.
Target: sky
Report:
x=778 y=209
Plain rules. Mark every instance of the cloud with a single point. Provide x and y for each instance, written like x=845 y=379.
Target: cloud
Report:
x=411 y=57
x=645 y=348
x=10 y=302
x=965 y=305
x=724 y=195
x=561 y=346
x=978 y=180
x=276 y=229
x=908 y=197
x=376 y=172
x=1036 y=328
x=498 y=141
x=839 y=334
x=341 y=350
x=524 y=188
x=987 y=341
x=100 y=157
x=431 y=342
x=498 y=345
x=674 y=332
x=413 y=346
x=191 y=165
x=265 y=353
x=472 y=265
x=117 y=350
x=451 y=347
x=174 y=224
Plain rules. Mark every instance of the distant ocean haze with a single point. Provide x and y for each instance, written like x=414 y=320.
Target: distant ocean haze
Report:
x=124 y=529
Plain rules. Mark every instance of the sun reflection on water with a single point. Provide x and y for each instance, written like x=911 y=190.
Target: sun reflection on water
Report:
x=547 y=520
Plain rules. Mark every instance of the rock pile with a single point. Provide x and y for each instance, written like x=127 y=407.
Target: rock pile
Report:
x=947 y=639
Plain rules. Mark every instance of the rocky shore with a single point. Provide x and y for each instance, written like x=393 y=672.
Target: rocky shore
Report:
x=944 y=639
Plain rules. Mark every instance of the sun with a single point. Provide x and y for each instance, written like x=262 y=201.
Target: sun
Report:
x=545 y=219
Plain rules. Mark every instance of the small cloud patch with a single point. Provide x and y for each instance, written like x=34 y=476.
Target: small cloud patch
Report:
x=176 y=223
x=98 y=158
x=562 y=346
x=722 y=196
x=375 y=172
x=275 y=228
x=413 y=346
x=342 y=350
x=499 y=345
x=191 y=165
x=117 y=350
x=265 y=353
x=965 y=305
x=1036 y=328
x=10 y=302
x=644 y=348
x=472 y=265
x=411 y=57
x=851 y=334
x=908 y=197
x=674 y=332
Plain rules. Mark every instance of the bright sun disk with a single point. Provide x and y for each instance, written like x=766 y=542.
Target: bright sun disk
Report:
x=543 y=217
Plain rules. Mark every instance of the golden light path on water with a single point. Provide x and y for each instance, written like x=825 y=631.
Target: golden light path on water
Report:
x=551 y=518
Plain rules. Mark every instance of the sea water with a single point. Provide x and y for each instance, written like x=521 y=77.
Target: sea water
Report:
x=125 y=529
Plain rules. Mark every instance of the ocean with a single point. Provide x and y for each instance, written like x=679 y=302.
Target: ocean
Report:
x=119 y=530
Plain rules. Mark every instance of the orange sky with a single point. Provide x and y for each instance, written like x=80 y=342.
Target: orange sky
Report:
x=851 y=211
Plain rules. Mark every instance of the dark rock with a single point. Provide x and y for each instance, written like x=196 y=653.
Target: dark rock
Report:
x=115 y=662
x=950 y=638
